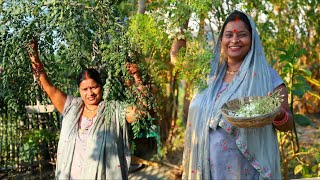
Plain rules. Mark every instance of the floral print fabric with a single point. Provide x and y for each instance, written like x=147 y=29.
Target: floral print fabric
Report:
x=229 y=158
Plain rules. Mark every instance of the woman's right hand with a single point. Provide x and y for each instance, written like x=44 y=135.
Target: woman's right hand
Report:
x=32 y=49
x=58 y=98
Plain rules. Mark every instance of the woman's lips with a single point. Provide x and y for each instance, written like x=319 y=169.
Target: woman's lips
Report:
x=234 y=47
x=91 y=98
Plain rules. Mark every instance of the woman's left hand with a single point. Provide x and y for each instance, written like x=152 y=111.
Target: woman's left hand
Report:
x=131 y=114
x=134 y=72
x=285 y=112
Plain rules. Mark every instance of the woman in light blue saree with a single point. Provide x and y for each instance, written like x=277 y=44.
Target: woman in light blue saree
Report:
x=93 y=141
x=214 y=149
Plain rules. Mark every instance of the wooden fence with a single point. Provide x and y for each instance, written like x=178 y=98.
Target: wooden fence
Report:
x=28 y=142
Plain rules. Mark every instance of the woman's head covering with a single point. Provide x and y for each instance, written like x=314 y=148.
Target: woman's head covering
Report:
x=252 y=79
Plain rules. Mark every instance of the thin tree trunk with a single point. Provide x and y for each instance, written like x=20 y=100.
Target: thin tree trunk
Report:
x=173 y=84
x=186 y=101
x=141 y=6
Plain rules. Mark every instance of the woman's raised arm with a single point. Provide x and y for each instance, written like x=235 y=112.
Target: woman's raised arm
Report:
x=58 y=98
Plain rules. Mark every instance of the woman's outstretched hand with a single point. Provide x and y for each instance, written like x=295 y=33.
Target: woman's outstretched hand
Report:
x=134 y=72
x=32 y=49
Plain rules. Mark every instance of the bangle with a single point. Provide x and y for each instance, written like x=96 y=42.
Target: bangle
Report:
x=283 y=120
x=38 y=68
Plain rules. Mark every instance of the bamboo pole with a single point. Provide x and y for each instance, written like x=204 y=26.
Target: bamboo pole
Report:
x=6 y=140
x=10 y=138
x=16 y=140
x=1 y=141
x=21 y=129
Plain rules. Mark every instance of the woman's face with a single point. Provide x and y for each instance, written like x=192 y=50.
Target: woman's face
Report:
x=90 y=92
x=236 y=40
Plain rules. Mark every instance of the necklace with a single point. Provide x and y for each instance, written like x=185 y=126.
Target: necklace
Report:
x=85 y=127
x=232 y=72
x=90 y=109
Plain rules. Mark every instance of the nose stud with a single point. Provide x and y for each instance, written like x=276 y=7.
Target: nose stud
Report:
x=235 y=41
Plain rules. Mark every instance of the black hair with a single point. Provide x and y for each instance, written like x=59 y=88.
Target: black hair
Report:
x=89 y=73
x=238 y=15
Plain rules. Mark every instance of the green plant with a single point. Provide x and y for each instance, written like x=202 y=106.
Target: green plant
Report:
x=309 y=164
x=295 y=78
x=34 y=143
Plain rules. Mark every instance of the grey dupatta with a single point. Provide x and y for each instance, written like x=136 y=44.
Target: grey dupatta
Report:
x=258 y=145
x=107 y=154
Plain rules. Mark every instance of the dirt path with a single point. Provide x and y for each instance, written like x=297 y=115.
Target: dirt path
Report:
x=150 y=172
x=310 y=135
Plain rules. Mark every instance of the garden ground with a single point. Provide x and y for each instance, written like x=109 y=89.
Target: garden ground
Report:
x=168 y=168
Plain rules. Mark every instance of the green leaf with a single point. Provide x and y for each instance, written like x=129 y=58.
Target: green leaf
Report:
x=298 y=169
x=284 y=57
x=300 y=52
x=301 y=79
x=302 y=120
x=317 y=157
x=305 y=172
x=298 y=92
x=314 y=168
x=305 y=71
x=282 y=49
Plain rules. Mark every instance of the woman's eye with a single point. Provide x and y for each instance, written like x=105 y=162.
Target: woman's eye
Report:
x=242 y=35
x=228 y=35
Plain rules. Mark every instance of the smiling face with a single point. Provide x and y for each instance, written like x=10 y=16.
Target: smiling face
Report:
x=236 y=41
x=90 y=92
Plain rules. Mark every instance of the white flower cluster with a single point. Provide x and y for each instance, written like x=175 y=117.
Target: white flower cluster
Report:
x=260 y=106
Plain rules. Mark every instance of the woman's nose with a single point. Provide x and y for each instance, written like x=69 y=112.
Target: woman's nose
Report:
x=90 y=91
x=235 y=38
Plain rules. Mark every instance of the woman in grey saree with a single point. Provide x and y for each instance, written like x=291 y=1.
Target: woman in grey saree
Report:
x=214 y=149
x=102 y=151
x=93 y=141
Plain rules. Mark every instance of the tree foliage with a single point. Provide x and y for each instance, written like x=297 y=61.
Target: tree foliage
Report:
x=72 y=35
x=108 y=34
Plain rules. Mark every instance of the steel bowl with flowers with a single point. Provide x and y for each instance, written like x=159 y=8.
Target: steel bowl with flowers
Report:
x=252 y=111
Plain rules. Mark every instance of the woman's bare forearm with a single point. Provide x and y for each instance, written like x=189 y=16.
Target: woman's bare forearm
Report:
x=57 y=97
